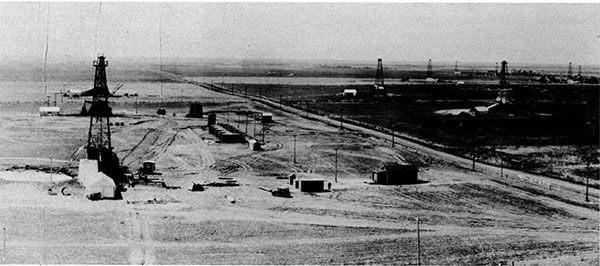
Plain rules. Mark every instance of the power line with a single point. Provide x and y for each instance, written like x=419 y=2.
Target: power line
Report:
x=46 y=46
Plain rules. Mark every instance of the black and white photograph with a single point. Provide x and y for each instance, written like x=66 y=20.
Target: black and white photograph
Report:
x=299 y=133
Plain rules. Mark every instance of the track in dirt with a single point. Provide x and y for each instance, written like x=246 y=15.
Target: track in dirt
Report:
x=141 y=240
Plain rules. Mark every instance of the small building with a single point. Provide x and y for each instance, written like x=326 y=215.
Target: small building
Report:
x=229 y=137
x=395 y=174
x=478 y=110
x=100 y=183
x=195 y=110
x=350 y=93
x=212 y=119
x=311 y=185
x=254 y=145
x=49 y=110
x=148 y=166
x=267 y=117
x=94 y=181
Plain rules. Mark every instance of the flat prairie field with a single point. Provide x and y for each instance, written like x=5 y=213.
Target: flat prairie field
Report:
x=465 y=217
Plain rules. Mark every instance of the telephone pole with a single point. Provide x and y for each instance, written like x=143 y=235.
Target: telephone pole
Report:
x=418 y=243
x=336 y=164
x=341 y=121
x=294 y=148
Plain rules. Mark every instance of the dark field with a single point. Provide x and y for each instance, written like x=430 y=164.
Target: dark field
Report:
x=538 y=115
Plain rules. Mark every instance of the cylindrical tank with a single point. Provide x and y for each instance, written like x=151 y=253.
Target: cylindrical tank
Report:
x=212 y=119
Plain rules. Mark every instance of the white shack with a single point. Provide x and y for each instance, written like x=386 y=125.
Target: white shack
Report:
x=350 y=92
x=94 y=181
x=49 y=110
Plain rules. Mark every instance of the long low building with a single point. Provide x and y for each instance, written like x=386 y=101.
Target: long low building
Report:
x=395 y=174
x=224 y=135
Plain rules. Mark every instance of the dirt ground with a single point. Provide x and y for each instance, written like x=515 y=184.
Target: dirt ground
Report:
x=465 y=217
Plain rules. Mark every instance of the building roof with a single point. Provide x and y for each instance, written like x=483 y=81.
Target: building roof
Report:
x=49 y=109
x=394 y=167
x=480 y=109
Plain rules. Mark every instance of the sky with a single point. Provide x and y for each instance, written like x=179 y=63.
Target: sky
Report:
x=448 y=32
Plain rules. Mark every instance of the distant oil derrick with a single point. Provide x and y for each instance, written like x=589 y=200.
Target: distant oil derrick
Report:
x=379 y=82
x=429 y=70
x=99 y=146
x=503 y=74
x=570 y=71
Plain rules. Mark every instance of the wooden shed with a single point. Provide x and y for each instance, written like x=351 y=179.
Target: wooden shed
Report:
x=395 y=174
x=311 y=185
x=195 y=110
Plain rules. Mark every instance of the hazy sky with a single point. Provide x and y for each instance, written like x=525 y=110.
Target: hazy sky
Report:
x=525 y=33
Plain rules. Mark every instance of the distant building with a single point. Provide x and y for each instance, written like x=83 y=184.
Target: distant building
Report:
x=267 y=117
x=195 y=110
x=311 y=185
x=479 y=110
x=49 y=110
x=350 y=92
x=395 y=174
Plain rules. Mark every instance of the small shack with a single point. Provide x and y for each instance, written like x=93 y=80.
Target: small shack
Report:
x=195 y=110
x=149 y=166
x=100 y=183
x=49 y=110
x=478 y=110
x=395 y=174
x=267 y=117
x=212 y=119
x=254 y=145
x=350 y=92
x=311 y=185
x=94 y=181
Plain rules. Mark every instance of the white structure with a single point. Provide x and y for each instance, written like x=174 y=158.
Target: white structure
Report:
x=100 y=183
x=350 y=92
x=49 y=110
x=94 y=181
x=431 y=80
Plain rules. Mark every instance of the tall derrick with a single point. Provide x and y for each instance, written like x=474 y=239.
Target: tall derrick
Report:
x=503 y=74
x=99 y=146
x=379 y=81
x=429 y=70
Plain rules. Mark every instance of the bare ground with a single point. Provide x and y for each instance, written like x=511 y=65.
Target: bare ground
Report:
x=465 y=217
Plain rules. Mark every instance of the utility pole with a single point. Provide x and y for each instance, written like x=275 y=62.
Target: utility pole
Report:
x=418 y=243
x=262 y=125
x=227 y=112
x=4 y=244
x=51 y=172
x=306 y=109
x=341 y=121
x=294 y=148
x=336 y=164
x=44 y=236
x=587 y=181
x=473 y=159
x=246 y=123
x=393 y=137
x=254 y=122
